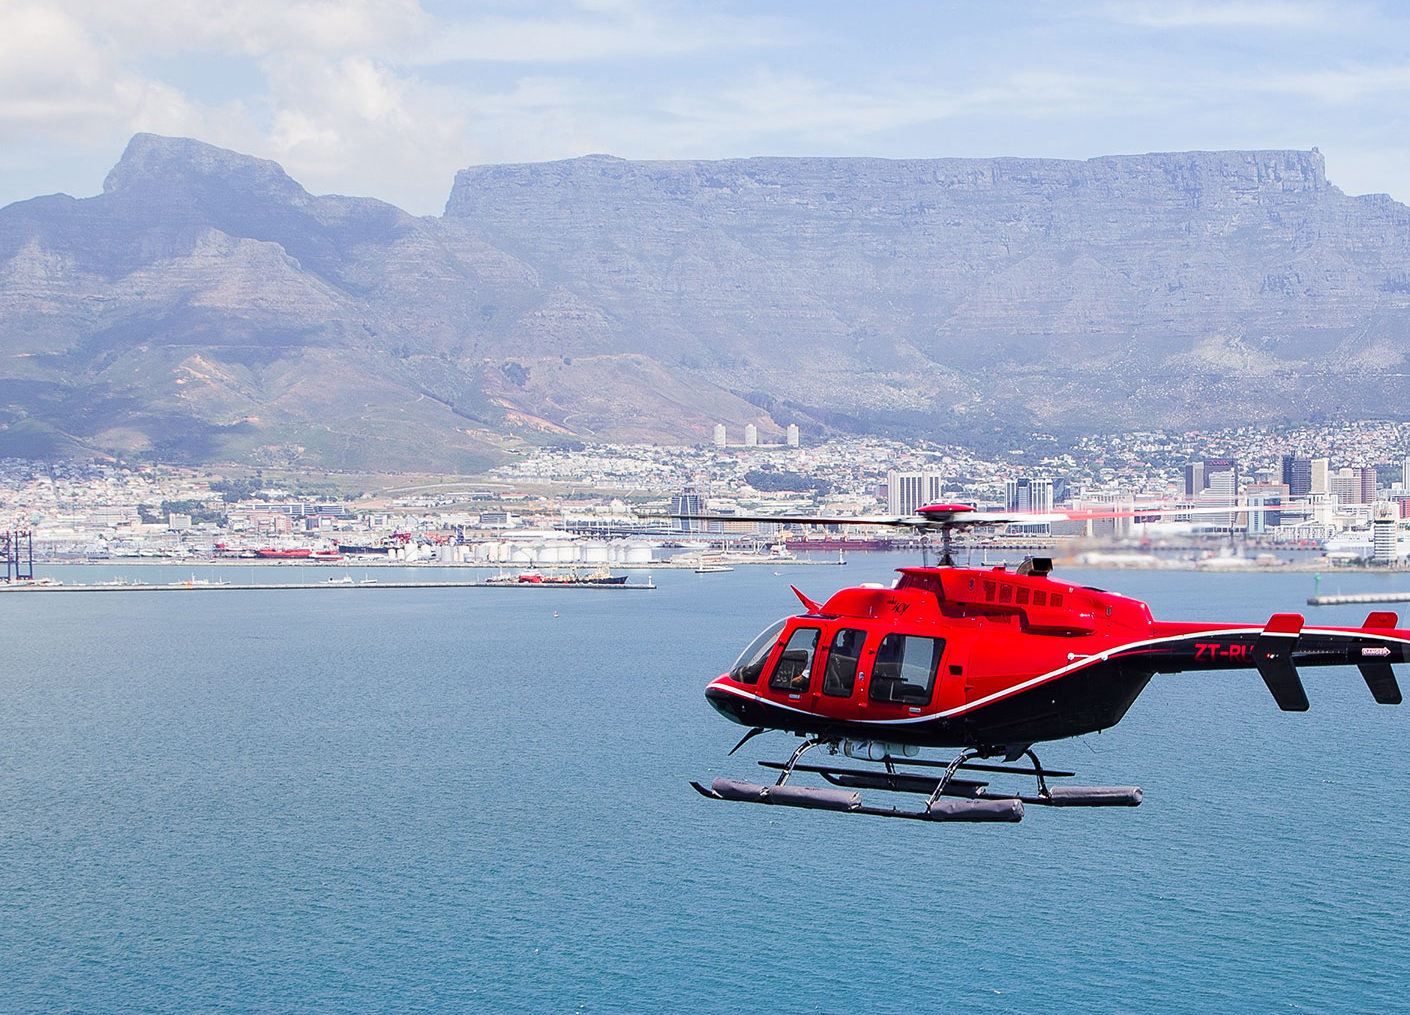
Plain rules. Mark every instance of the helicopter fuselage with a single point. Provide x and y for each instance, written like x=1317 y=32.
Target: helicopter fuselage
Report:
x=998 y=660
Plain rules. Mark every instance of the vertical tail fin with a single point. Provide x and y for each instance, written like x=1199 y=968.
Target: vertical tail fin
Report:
x=1380 y=678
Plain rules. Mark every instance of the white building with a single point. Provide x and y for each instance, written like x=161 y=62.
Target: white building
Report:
x=908 y=491
x=1385 y=521
x=1027 y=495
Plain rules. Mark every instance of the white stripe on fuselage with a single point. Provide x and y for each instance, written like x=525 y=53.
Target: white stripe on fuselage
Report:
x=1062 y=671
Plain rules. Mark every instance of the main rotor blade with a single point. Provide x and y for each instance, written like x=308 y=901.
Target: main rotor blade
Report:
x=958 y=517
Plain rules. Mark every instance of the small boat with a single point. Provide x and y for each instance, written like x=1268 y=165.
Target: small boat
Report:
x=712 y=568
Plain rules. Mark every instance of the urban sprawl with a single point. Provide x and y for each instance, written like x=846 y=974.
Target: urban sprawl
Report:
x=1335 y=492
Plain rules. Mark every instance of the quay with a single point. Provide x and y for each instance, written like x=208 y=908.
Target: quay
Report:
x=217 y=586
x=1359 y=597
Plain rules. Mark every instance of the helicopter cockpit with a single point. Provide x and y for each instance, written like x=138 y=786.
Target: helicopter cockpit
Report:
x=884 y=667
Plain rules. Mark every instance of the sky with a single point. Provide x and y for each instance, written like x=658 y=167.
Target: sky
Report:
x=388 y=98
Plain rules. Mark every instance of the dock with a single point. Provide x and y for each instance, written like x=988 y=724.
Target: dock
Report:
x=1359 y=597
x=217 y=586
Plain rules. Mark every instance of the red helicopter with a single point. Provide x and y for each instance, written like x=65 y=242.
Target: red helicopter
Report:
x=989 y=661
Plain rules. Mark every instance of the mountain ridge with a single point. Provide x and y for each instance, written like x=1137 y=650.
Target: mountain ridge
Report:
x=205 y=306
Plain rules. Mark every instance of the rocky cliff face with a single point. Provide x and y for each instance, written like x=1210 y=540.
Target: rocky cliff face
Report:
x=206 y=306
x=1180 y=288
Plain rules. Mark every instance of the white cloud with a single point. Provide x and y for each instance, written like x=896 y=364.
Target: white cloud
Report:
x=1345 y=85
x=356 y=125
x=1355 y=169
x=602 y=31
x=382 y=97
x=1284 y=14
x=139 y=28
x=49 y=68
x=765 y=104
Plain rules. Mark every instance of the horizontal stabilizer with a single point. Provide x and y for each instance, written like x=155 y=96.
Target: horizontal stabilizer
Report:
x=1381 y=619
x=1380 y=678
x=1272 y=654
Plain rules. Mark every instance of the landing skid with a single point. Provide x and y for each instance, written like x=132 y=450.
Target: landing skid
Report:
x=947 y=798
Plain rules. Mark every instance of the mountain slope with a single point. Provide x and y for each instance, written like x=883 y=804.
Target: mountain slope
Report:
x=206 y=307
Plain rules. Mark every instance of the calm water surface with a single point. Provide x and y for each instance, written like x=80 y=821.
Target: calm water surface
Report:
x=456 y=800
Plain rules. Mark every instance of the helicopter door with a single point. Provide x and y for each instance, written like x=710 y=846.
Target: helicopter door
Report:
x=794 y=670
x=839 y=674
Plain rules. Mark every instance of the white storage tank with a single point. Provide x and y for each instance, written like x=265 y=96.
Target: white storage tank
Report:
x=594 y=553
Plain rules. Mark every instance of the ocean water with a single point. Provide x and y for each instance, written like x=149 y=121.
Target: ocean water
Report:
x=476 y=800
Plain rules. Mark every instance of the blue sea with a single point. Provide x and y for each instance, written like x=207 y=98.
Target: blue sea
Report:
x=447 y=800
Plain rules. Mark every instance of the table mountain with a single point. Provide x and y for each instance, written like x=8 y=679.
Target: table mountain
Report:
x=206 y=307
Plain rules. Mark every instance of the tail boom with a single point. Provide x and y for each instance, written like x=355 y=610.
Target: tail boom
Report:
x=1283 y=645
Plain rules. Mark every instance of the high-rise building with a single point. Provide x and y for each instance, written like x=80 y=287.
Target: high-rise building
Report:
x=1216 y=466
x=1028 y=495
x=719 y=435
x=1222 y=479
x=1297 y=475
x=751 y=436
x=1354 y=486
x=1345 y=485
x=792 y=435
x=1318 y=478
x=688 y=502
x=1270 y=497
x=1369 y=482
x=907 y=491
x=1194 y=479
x=1384 y=529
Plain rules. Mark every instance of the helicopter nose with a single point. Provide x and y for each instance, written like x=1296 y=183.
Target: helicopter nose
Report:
x=724 y=702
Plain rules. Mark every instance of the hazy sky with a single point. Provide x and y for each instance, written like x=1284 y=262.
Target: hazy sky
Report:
x=387 y=98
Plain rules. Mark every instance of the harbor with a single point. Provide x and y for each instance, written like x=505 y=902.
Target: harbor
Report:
x=345 y=583
x=1359 y=597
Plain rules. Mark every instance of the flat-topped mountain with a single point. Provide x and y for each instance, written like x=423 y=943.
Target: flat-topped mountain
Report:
x=206 y=307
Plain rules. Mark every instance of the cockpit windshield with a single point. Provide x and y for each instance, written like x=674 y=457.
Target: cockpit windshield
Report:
x=751 y=661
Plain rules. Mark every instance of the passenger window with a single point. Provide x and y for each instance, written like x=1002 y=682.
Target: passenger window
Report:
x=796 y=663
x=843 y=655
x=904 y=671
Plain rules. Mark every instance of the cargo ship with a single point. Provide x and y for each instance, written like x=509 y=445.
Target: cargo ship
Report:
x=298 y=553
x=570 y=579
